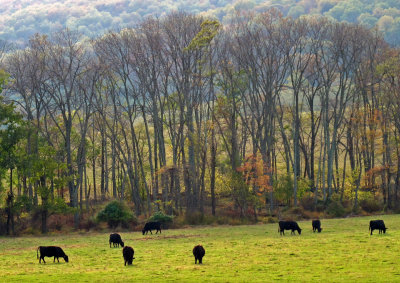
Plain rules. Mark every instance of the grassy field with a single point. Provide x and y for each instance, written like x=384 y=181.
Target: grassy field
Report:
x=343 y=252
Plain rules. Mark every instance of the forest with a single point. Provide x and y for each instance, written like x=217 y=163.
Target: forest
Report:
x=20 y=19
x=188 y=116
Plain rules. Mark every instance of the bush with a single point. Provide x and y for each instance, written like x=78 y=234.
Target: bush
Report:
x=115 y=213
x=335 y=209
x=308 y=201
x=195 y=218
x=161 y=217
x=293 y=213
x=370 y=205
x=271 y=219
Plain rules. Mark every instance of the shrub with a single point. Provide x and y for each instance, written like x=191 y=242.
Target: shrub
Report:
x=115 y=213
x=161 y=217
x=335 y=209
x=195 y=218
x=293 y=213
x=271 y=219
x=308 y=201
x=370 y=205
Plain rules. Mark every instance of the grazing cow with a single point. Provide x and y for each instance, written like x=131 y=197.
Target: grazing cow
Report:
x=198 y=252
x=49 y=252
x=377 y=225
x=288 y=225
x=316 y=225
x=128 y=253
x=151 y=226
x=116 y=240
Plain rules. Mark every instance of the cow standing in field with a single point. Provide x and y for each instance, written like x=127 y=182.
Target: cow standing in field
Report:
x=151 y=226
x=288 y=225
x=128 y=253
x=116 y=240
x=316 y=225
x=50 y=251
x=377 y=225
x=198 y=252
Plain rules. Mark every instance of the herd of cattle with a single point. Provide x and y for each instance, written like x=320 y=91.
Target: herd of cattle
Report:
x=198 y=251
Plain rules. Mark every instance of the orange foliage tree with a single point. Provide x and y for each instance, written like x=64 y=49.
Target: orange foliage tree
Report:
x=256 y=175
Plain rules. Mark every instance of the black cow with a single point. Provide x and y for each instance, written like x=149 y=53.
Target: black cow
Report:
x=198 y=252
x=49 y=252
x=316 y=225
x=151 y=226
x=377 y=225
x=116 y=240
x=288 y=225
x=128 y=253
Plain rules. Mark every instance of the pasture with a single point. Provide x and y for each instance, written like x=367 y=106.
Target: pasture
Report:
x=344 y=251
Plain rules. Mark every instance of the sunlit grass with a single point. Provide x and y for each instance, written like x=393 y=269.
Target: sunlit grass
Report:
x=344 y=251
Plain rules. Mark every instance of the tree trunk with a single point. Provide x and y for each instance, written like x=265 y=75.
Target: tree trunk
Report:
x=213 y=165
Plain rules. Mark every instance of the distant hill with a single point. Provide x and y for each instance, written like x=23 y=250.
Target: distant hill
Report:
x=19 y=19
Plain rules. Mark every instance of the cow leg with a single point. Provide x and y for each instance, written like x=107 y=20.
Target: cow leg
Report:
x=372 y=230
x=151 y=232
x=195 y=260
x=43 y=260
x=200 y=260
x=58 y=260
x=54 y=260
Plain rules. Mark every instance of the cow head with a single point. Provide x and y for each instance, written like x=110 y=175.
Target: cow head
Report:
x=122 y=244
x=66 y=258
x=319 y=230
x=299 y=230
x=384 y=230
x=143 y=231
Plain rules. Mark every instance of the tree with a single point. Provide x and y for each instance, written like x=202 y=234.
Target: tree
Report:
x=44 y=172
x=255 y=173
x=11 y=132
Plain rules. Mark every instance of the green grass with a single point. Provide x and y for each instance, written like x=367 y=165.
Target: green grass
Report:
x=343 y=252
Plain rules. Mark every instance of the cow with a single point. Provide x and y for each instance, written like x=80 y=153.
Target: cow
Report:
x=151 y=226
x=128 y=253
x=198 y=252
x=116 y=240
x=316 y=225
x=49 y=252
x=377 y=225
x=288 y=225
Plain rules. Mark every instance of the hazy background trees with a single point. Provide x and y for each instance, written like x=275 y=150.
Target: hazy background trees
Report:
x=20 y=19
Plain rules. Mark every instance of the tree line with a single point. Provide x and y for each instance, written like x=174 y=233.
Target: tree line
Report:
x=180 y=111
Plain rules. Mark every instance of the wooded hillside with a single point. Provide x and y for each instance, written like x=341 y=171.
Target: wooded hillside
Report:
x=181 y=112
x=20 y=19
